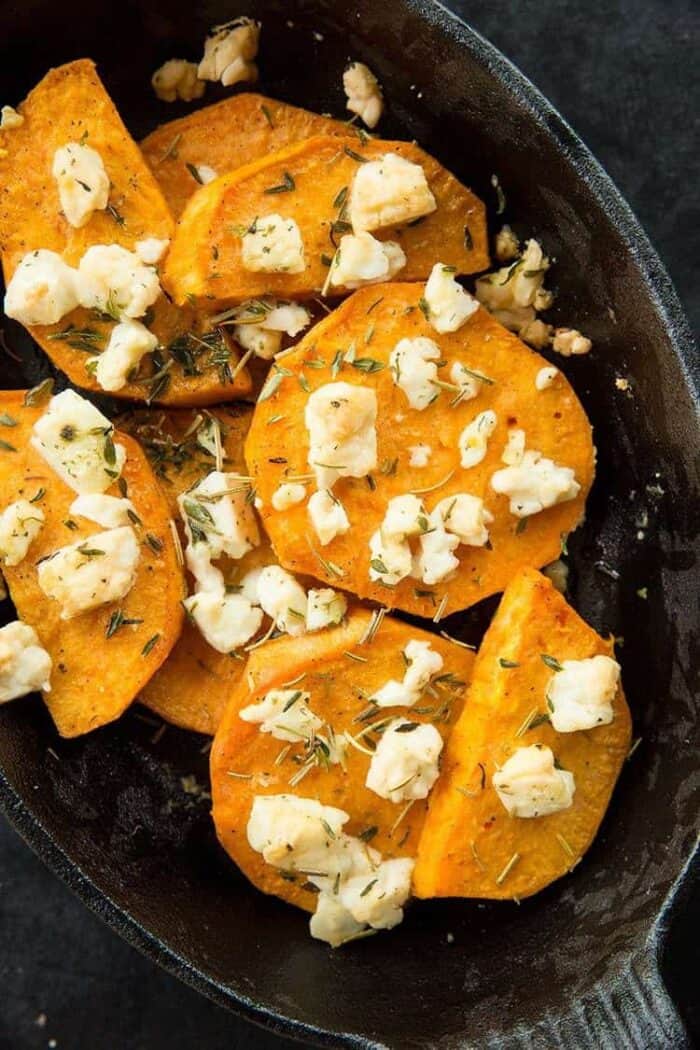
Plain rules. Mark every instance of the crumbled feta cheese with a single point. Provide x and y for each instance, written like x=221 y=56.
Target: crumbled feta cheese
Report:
x=284 y=714
x=108 y=511
x=468 y=382
x=273 y=245
x=580 y=696
x=413 y=368
x=361 y=259
x=535 y=484
x=419 y=455
x=177 y=79
x=389 y=191
x=129 y=342
x=449 y=305
x=116 y=282
x=261 y=323
x=225 y=621
x=422 y=664
x=558 y=572
x=283 y=316
x=514 y=450
x=545 y=377
x=340 y=419
x=377 y=899
x=325 y=608
x=390 y=559
x=333 y=923
x=218 y=520
x=91 y=572
x=405 y=763
x=507 y=245
x=288 y=495
x=294 y=833
x=206 y=174
x=535 y=333
x=435 y=561
x=75 y=439
x=515 y=293
x=465 y=516
x=20 y=524
x=25 y=666
x=568 y=341
x=10 y=118
x=529 y=784
x=83 y=184
x=474 y=439
x=42 y=290
x=151 y=250
x=263 y=343
x=283 y=599
x=363 y=93
x=230 y=51
x=328 y=516
x=405 y=516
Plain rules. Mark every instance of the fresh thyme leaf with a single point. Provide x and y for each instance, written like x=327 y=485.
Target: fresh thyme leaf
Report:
x=368 y=887
x=194 y=172
x=268 y=116
x=407 y=727
x=368 y=364
x=424 y=308
x=117 y=216
x=340 y=198
x=378 y=565
x=38 y=392
x=150 y=644
x=110 y=452
x=118 y=620
x=551 y=662
x=286 y=186
x=40 y=493
x=368 y=834
x=154 y=543
x=6 y=446
x=521 y=526
x=7 y=420
x=271 y=386
x=355 y=156
x=507 y=663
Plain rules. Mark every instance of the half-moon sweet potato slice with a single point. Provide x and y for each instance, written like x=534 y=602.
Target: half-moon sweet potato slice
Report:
x=224 y=136
x=310 y=183
x=71 y=105
x=353 y=345
x=470 y=846
x=339 y=672
x=100 y=660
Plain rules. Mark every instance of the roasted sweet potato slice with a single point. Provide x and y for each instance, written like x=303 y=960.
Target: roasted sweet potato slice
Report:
x=205 y=263
x=69 y=105
x=470 y=846
x=373 y=320
x=224 y=136
x=94 y=677
x=339 y=672
x=192 y=687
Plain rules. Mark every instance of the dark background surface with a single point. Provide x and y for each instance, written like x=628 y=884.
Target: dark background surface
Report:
x=626 y=74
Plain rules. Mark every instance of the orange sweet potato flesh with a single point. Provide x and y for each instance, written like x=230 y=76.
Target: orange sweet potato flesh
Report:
x=376 y=319
x=192 y=687
x=204 y=263
x=468 y=840
x=333 y=679
x=225 y=136
x=94 y=678
x=70 y=104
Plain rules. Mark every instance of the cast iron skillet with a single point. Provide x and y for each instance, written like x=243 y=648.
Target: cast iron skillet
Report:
x=578 y=964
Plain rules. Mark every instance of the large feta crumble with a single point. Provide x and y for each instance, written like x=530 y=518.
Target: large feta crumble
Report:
x=283 y=599
x=42 y=290
x=405 y=763
x=20 y=524
x=25 y=666
x=83 y=184
x=474 y=439
x=465 y=516
x=108 y=511
x=115 y=281
x=580 y=696
x=389 y=191
x=530 y=785
x=449 y=305
x=177 y=79
x=423 y=663
x=128 y=342
x=75 y=439
x=324 y=608
x=340 y=419
x=218 y=521
x=363 y=93
x=362 y=259
x=230 y=51
x=273 y=244
x=535 y=484
x=225 y=621
x=91 y=572
x=413 y=369
x=328 y=516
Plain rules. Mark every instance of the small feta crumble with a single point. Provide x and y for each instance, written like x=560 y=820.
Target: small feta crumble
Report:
x=390 y=559
x=25 y=666
x=361 y=259
x=530 y=785
x=449 y=305
x=328 y=516
x=569 y=341
x=474 y=439
x=341 y=421
x=404 y=516
x=558 y=572
x=20 y=524
x=264 y=344
x=108 y=511
x=325 y=608
x=75 y=439
x=622 y=384
x=42 y=290
x=83 y=184
x=225 y=621
x=419 y=455
x=114 y=281
x=514 y=450
x=389 y=191
x=273 y=244
x=413 y=369
x=377 y=900
x=218 y=521
x=580 y=696
x=465 y=516
x=151 y=250
x=363 y=93
x=206 y=174
x=91 y=572
x=129 y=342
x=422 y=664
x=288 y=495
x=405 y=763
x=177 y=79
x=283 y=599
x=262 y=322
x=535 y=484
x=230 y=51
x=10 y=118
x=295 y=833
x=536 y=333
x=545 y=377
x=436 y=560
x=515 y=293
x=469 y=382
x=507 y=245
x=284 y=714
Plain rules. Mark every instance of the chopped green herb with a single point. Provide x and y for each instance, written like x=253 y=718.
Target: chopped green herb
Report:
x=551 y=662
x=286 y=186
x=150 y=644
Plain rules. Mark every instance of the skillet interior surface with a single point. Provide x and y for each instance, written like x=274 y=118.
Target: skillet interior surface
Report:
x=577 y=964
